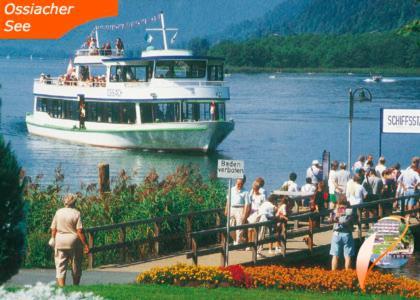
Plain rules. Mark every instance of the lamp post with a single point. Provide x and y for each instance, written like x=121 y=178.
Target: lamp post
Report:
x=361 y=95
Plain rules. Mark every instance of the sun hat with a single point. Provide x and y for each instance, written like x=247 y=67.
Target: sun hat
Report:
x=69 y=199
x=315 y=162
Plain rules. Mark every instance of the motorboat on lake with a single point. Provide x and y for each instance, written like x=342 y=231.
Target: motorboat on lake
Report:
x=377 y=78
x=166 y=99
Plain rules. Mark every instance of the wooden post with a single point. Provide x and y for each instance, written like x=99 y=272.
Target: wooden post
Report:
x=156 y=235
x=255 y=245
x=218 y=222
x=380 y=211
x=311 y=235
x=103 y=178
x=359 y=224
x=188 y=230
x=90 y=255
x=223 y=251
x=124 y=250
x=297 y=212
x=194 y=250
x=284 y=237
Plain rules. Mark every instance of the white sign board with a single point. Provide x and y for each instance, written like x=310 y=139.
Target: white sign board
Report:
x=230 y=168
x=401 y=121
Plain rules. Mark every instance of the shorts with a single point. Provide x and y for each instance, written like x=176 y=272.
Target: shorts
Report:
x=64 y=256
x=342 y=242
x=408 y=201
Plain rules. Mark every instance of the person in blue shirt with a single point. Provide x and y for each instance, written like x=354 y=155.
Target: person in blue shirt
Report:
x=342 y=239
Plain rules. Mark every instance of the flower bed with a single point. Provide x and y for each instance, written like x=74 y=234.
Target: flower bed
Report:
x=306 y=279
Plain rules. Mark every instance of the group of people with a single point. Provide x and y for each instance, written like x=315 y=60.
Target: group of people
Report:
x=341 y=192
x=92 y=45
x=256 y=206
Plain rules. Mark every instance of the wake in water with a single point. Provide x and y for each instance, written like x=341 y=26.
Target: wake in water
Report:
x=384 y=80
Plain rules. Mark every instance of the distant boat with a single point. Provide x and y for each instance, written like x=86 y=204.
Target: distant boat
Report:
x=350 y=74
x=272 y=76
x=377 y=78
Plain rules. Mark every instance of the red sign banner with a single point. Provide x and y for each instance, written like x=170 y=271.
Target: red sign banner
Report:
x=50 y=19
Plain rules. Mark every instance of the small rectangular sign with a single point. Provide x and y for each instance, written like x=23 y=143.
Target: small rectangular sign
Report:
x=230 y=168
x=401 y=121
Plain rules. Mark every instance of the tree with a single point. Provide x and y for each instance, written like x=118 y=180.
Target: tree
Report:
x=199 y=46
x=12 y=219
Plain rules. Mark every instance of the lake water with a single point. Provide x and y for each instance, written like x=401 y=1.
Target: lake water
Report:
x=282 y=124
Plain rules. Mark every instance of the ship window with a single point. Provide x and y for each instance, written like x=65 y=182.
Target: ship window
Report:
x=129 y=73
x=201 y=111
x=215 y=73
x=180 y=69
x=103 y=112
x=58 y=108
x=159 y=112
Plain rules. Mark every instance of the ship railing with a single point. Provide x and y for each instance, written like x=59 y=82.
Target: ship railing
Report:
x=63 y=82
x=99 y=52
x=175 y=84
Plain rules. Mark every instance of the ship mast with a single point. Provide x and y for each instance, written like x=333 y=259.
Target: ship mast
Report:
x=163 y=29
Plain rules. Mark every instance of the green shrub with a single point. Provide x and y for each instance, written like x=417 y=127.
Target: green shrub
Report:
x=38 y=253
x=183 y=191
x=11 y=214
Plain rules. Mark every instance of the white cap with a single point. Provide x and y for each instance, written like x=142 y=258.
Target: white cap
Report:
x=315 y=162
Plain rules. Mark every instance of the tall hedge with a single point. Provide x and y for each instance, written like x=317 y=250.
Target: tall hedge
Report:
x=12 y=234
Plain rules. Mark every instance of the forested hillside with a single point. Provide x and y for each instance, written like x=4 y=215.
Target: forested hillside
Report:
x=327 y=16
x=323 y=51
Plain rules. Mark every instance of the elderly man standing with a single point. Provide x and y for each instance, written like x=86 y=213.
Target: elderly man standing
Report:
x=239 y=200
x=68 y=240
x=314 y=172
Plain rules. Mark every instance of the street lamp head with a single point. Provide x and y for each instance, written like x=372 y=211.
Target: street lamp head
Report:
x=362 y=95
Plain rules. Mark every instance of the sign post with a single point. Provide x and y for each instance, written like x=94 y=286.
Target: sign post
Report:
x=398 y=121
x=231 y=169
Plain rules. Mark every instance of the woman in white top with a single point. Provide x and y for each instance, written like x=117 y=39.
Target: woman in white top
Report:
x=355 y=192
x=256 y=198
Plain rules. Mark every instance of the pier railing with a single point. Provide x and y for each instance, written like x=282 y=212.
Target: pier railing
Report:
x=289 y=230
x=298 y=225
x=123 y=244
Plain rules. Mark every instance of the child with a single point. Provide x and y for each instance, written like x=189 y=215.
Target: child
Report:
x=266 y=211
x=307 y=188
x=281 y=215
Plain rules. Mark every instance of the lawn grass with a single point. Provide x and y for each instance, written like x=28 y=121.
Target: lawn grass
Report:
x=160 y=292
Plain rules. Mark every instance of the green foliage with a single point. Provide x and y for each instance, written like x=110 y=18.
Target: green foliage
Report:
x=328 y=16
x=323 y=51
x=38 y=253
x=11 y=214
x=183 y=191
x=199 y=46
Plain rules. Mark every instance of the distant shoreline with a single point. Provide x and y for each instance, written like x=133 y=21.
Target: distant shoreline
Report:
x=355 y=71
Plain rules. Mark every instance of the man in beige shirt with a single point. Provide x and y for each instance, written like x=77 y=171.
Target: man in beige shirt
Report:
x=67 y=230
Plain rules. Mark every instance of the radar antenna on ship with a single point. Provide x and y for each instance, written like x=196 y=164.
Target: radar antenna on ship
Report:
x=163 y=29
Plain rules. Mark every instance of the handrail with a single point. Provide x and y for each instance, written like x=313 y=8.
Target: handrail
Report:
x=308 y=230
x=154 y=240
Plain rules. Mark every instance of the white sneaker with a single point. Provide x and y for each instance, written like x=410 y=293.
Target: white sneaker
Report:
x=235 y=243
x=259 y=255
x=248 y=249
x=277 y=251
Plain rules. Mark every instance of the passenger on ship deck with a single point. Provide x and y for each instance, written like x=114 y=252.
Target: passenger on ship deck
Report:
x=119 y=46
x=93 y=49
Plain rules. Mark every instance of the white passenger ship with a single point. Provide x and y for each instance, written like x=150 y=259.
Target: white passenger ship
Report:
x=166 y=99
